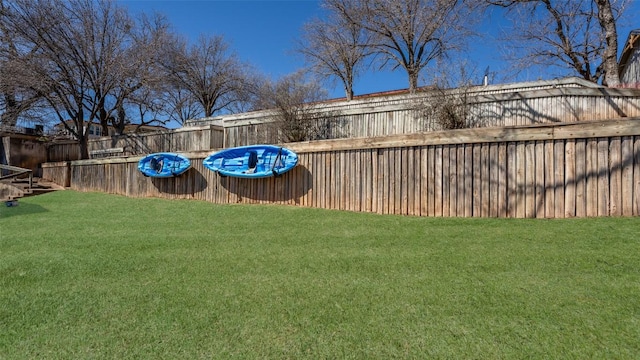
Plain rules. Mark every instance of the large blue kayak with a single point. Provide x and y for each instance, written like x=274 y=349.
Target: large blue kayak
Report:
x=254 y=161
x=163 y=165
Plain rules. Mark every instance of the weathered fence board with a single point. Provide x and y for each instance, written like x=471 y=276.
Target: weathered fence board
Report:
x=627 y=175
x=541 y=171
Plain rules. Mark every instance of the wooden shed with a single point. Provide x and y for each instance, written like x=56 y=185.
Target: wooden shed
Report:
x=17 y=148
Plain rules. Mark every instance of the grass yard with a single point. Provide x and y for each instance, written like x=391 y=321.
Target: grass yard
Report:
x=85 y=275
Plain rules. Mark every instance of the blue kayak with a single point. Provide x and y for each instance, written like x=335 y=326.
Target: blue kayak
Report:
x=163 y=165
x=254 y=161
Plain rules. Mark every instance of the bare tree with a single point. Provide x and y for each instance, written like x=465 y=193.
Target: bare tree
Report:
x=408 y=34
x=56 y=71
x=447 y=103
x=89 y=60
x=208 y=71
x=183 y=105
x=335 y=48
x=16 y=101
x=250 y=95
x=292 y=101
x=117 y=63
x=139 y=80
x=580 y=35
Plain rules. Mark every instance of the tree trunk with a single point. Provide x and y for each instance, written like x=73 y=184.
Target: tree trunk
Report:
x=610 y=61
x=349 y=93
x=104 y=118
x=82 y=134
x=83 y=142
x=121 y=122
x=413 y=81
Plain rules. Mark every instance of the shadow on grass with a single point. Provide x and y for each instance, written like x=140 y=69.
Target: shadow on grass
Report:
x=21 y=209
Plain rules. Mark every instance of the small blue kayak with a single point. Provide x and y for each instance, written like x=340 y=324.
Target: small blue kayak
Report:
x=254 y=161
x=163 y=165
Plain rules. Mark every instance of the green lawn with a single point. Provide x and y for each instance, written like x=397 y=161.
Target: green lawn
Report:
x=86 y=275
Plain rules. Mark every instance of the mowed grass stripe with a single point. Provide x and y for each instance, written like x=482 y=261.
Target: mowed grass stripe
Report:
x=85 y=275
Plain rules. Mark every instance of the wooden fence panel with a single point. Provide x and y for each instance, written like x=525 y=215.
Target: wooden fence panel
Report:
x=591 y=169
x=57 y=172
x=502 y=180
x=464 y=191
x=452 y=181
x=550 y=103
x=460 y=180
x=559 y=166
x=626 y=189
x=180 y=140
x=521 y=188
x=636 y=176
x=603 y=177
x=570 y=179
x=529 y=180
x=495 y=182
x=485 y=180
x=68 y=151
x=581 y=177
x=615 y=177
x=366 y=181
x=538 y=175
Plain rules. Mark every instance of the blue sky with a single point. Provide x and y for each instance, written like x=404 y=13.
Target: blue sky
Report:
x=263 y=32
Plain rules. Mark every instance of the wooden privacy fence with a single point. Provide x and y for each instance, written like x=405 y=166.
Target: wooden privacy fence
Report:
x=178 y=140
x=551 y=171
x=410 y=114
x=57 y=172
x=558 y=101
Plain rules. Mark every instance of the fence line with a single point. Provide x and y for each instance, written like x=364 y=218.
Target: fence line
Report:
x=179 y=140
x=550 y=171
x=520 y=108
x=569 y=100
x=57 y=172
